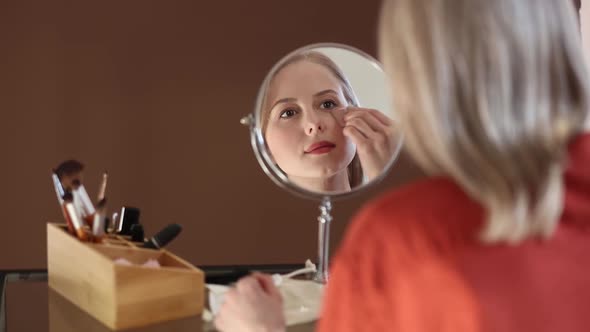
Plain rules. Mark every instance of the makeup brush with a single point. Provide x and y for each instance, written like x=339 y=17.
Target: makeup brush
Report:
x=59 y=189
x=103 y=186
x=60 y=192
x=163 y=237
x=68 y=171
x=64 y=206
x=74 y=218
x=82 y=201
x=98 y=225
x=69 y=167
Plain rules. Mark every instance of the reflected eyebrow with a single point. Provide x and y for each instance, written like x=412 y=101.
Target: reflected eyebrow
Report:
x=284 y=100
x=323 y=92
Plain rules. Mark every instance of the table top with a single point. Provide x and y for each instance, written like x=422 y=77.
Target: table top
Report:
x=30 y=305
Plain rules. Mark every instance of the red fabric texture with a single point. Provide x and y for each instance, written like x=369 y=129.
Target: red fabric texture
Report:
x=411 y=262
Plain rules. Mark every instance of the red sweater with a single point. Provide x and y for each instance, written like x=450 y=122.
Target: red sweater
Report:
x=410 y=262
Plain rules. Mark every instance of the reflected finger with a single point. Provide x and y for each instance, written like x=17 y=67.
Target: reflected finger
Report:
x=355 y=136
x=369 y=119
x=381 y=117
x=360 y=125
x=339 y=115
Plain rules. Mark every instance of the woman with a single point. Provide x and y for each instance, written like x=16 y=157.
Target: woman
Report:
x=495 y=94
x=316 y=132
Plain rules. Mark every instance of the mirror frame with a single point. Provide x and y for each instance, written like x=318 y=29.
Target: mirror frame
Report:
x=261 y=150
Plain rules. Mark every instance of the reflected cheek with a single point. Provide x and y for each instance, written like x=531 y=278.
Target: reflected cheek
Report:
x=350 y=147
x=347 y=150
x=281 y=143
x=344 y=141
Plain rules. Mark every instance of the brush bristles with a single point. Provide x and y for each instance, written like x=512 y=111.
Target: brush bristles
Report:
x=101 y=204
x=69 y=168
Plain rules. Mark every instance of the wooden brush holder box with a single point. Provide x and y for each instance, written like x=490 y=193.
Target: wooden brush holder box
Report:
x=122 y=296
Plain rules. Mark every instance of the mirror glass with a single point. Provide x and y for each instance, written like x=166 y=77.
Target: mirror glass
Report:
x=324 y=123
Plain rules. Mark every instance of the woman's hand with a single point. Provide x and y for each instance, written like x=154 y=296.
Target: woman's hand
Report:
x=253 y=305
x=375 y=137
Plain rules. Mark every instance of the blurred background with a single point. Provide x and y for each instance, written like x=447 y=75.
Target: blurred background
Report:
x=152 y=92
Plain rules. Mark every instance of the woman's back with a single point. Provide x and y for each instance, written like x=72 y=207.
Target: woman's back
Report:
x=412 y=262
x=493 y=97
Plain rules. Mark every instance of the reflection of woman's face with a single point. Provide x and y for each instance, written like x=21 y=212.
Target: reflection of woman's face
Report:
x=304 y=129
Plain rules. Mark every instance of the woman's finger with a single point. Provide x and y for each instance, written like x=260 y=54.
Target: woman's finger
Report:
x=361 y=126
x=248 y=286
x=267 y=284
x=369 y=118
x=219 y=323
x=355 y=136
x=339 y=115
x=384 y=119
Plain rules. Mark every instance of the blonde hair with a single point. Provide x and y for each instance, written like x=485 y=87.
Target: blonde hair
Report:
x=355 y=171
x=490 y=93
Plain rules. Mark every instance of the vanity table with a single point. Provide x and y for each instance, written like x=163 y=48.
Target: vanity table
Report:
x=28 y=304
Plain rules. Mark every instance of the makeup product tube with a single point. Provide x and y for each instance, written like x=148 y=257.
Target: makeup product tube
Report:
x=83 y=203
x=103 y=187
x=98 y=227
x=60 y=192
x=59 y=189
x=75 y=219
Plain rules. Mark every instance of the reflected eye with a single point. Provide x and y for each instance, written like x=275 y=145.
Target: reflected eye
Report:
x=288 y=113
x=328 y=104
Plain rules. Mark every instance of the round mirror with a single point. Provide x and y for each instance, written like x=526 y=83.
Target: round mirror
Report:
x=324 y=123
x=324 y=127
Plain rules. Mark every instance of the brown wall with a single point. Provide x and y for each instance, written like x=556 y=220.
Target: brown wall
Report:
x=152 y=91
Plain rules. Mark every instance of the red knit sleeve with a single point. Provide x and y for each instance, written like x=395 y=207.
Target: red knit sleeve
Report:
x=392 y=274
x=352 y=301
x=347 y=305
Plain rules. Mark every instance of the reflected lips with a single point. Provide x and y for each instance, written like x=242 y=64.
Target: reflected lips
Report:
x=320 y=147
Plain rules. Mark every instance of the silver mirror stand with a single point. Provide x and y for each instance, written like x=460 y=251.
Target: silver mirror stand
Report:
x=324 y=221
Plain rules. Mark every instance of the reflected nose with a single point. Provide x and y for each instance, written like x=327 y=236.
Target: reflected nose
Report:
x=314 y=124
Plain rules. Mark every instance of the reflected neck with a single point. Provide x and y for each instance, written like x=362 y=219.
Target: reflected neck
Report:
x=335 y=183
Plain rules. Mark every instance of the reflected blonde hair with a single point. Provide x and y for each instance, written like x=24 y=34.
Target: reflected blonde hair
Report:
x=355 y=171
x=490 y=93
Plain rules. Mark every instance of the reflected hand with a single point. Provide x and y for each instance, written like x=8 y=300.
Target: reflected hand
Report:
x=375 y=136
x=254 y=304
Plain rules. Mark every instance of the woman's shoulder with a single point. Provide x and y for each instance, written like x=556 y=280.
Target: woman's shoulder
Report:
x=431 y=211
x=418 y=197
x=393 y=261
